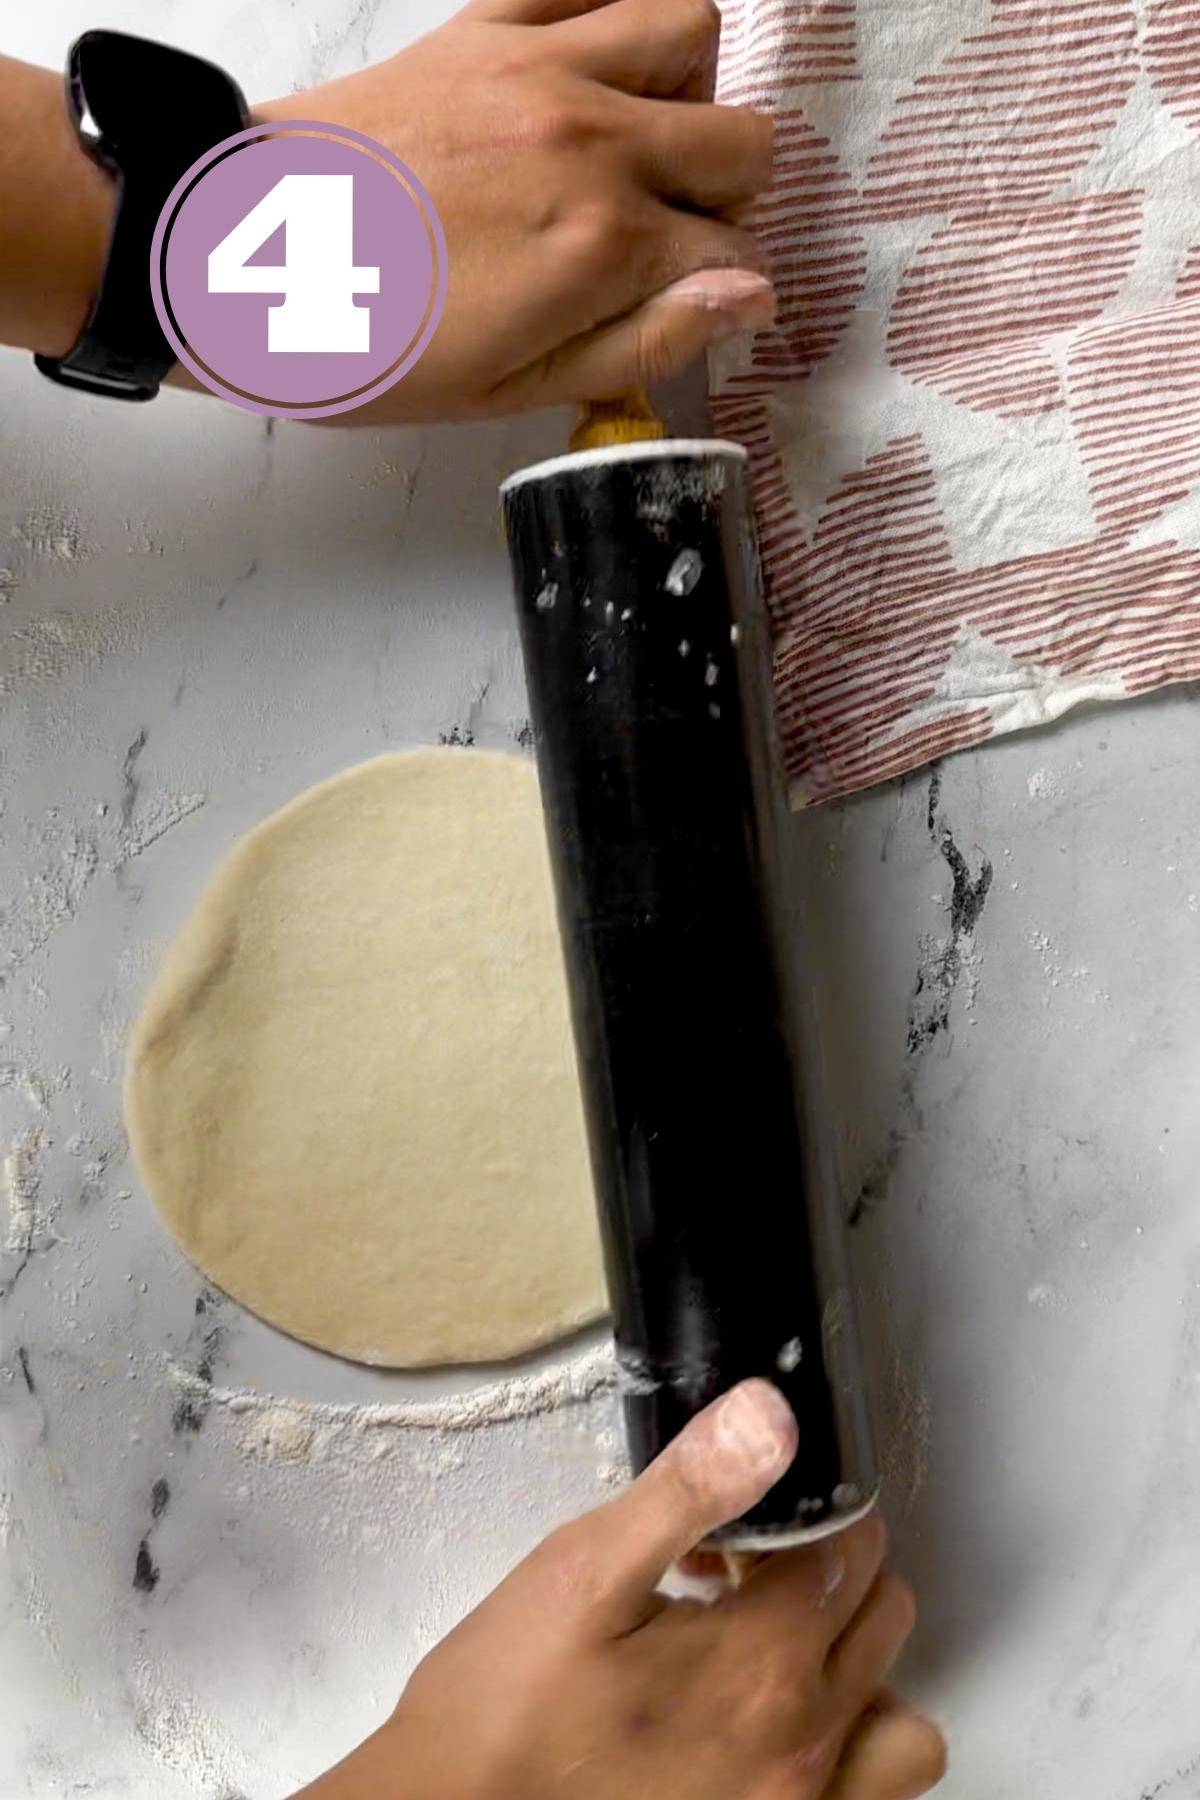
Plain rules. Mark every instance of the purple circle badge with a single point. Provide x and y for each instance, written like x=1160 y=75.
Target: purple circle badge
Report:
x=298 y=269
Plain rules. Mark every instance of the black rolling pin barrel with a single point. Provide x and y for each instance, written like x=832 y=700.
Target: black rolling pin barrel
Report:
x=647 y=660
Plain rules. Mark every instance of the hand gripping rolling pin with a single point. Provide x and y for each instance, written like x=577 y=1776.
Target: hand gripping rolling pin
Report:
x=647 y=658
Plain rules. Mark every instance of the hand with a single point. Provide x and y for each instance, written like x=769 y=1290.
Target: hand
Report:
x=577 y=1681
x=588 y=190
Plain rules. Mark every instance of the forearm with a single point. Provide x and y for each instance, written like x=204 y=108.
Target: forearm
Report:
x=55 y=213
x=596 y=230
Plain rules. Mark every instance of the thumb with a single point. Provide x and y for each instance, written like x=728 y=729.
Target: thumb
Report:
x=719 y=1466
x=654 y=342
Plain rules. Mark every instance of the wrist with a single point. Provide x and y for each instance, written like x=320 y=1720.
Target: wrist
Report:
x=56 y=221
x=142 y=112
x=283 y=108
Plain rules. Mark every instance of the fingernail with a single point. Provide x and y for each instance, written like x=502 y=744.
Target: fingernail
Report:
x=755 y=1423
x=738 y=298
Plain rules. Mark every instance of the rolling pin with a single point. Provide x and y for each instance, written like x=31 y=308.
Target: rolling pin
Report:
x=647 y=658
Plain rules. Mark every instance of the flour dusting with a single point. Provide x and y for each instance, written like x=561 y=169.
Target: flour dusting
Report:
x=1047 y=1298
x=21 y=1179
x=52 y=533
x=279 y=1424
x=183 y=1738
x=277 y=1433
x=45 y=650
x=905 y=1440
x=35 y=1087
x=1042 y=785
x=684 y=573
x=1056 y=972
x=50 y=895
x=161 y=815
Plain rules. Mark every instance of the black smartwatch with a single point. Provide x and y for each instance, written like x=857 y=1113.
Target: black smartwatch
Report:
x=145 y=113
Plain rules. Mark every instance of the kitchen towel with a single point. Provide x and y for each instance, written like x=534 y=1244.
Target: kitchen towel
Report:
x=974 y=429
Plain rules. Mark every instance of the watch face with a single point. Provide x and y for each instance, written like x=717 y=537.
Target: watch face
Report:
x=133 y=98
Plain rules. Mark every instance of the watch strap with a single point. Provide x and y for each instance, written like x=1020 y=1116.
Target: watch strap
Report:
x=122 y=350
x=145 y=113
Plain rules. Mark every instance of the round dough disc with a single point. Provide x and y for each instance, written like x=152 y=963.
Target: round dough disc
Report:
x=352 y=1090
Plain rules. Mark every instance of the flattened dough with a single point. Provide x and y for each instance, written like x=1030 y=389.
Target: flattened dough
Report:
x=352 y=1090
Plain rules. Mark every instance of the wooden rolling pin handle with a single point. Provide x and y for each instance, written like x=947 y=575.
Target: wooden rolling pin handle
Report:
x=628 y=420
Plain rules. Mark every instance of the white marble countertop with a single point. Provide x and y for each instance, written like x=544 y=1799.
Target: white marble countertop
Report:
x=208 y=1597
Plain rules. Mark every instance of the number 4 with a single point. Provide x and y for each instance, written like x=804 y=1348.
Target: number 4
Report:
x=318 y=277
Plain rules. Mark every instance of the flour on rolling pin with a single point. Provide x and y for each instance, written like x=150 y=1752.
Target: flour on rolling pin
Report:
x=651 y=696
